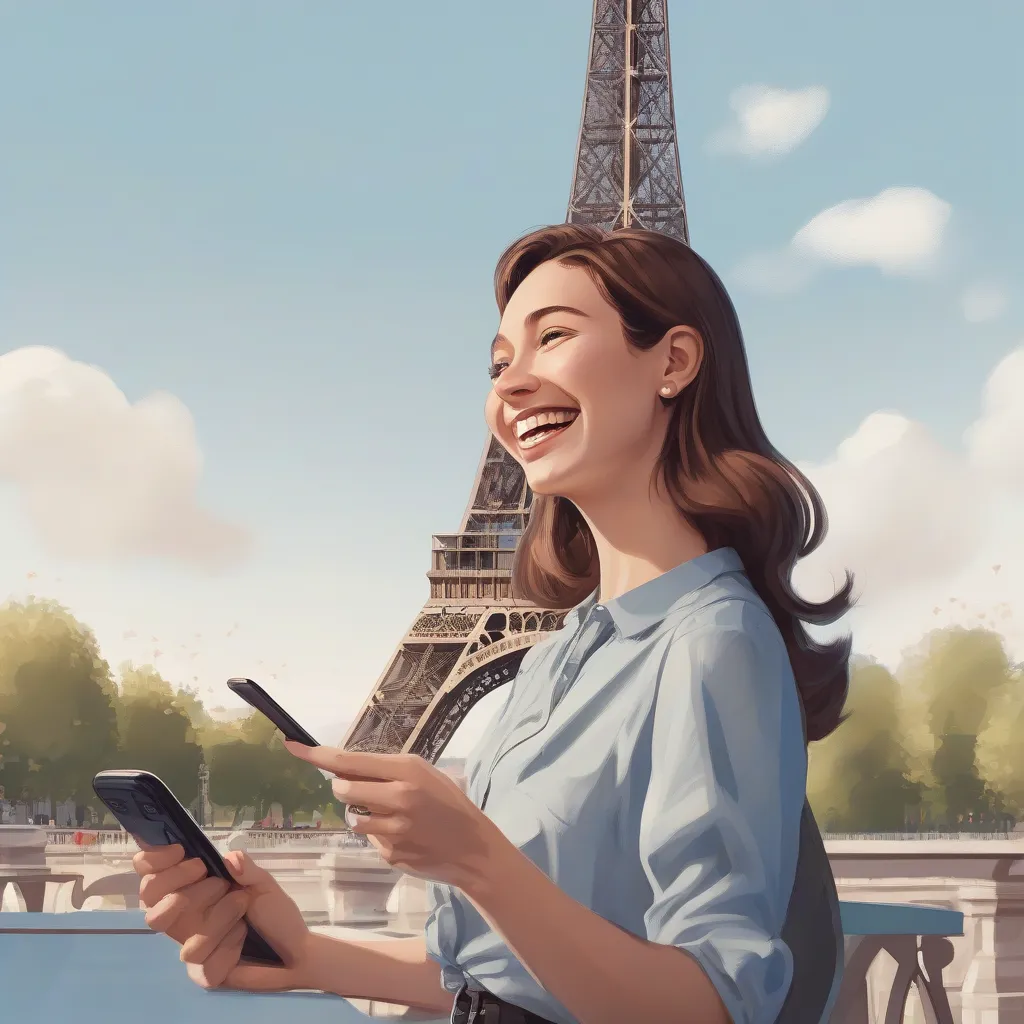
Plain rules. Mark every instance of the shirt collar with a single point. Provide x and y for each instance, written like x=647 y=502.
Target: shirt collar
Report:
x=645 y=606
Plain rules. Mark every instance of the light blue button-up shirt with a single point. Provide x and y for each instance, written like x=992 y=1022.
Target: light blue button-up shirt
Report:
x=650 y=759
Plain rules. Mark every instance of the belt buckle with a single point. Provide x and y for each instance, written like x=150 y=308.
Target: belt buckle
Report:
x=463 y=1013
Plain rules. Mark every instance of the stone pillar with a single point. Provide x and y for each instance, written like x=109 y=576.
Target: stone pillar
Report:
x=22 y=846
x=23 y=853
x=993 y=989
x=407 y=904
x=356 y=885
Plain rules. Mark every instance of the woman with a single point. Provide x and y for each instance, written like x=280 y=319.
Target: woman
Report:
x=635 y=845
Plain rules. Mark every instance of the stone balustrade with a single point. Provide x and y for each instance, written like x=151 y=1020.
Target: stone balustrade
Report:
x=346 y=884
x=981 y=878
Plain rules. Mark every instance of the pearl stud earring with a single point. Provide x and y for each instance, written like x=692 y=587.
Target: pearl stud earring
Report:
x=667 y=390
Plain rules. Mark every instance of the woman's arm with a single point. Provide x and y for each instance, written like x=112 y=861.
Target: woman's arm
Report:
x=389 y=970
x=601 y=974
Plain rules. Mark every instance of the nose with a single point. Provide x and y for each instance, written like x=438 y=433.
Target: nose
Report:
x=516 y=381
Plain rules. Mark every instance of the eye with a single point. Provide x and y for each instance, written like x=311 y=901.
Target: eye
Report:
x=494 y=371
x=552 y=335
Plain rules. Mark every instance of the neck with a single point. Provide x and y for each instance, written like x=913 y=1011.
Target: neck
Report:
x=639 y=533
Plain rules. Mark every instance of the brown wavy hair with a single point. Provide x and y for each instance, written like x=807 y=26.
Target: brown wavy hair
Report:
x=717 y=464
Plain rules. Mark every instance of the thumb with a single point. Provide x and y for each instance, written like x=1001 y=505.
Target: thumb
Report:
x=245 y=871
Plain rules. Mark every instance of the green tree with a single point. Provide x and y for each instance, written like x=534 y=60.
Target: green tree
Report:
x=859 y=777
x=256 y=770
x=956 y=678
x=57 y=701
x=156 y=732
x=239 y=774
x=1000 y=753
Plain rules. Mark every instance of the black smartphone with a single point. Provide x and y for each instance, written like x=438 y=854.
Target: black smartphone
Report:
x=147 y=809
x=254 y=695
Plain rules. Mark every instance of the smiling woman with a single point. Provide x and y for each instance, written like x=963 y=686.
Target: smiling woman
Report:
x=634 y=844
x=653 y=319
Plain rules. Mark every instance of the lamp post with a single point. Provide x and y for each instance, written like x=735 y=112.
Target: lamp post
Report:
x=204 y=794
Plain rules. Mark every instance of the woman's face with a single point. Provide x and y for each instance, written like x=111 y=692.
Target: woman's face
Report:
x=573 y=402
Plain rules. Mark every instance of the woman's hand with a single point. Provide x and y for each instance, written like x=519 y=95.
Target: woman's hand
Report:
x=420 y=820
x=205 y=916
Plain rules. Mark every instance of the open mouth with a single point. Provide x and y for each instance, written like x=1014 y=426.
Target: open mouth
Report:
x=538 y=429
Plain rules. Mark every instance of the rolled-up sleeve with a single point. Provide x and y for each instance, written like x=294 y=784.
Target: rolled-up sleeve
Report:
x=721 y=817
x=439 y=934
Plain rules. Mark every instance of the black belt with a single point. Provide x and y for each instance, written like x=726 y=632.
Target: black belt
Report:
x=479 y=1007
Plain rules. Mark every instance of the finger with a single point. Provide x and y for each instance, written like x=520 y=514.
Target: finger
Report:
x=378 y=797
x=246 y=872
x=217 y=924
x=356 y=765
x=154 y=887
x=152 y=859
x=194 y=899
x=214 y=971
x=257 y=978
x=389 y=825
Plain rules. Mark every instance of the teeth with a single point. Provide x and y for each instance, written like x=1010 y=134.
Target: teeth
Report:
x=542 y=419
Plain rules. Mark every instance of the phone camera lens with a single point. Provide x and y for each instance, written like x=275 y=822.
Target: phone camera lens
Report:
x=149 y=809
x=117 y=806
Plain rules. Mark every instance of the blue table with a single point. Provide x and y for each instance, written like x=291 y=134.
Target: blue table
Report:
x=100 y=967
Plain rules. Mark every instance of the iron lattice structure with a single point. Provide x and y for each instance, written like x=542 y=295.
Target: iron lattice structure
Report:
x=473 y=633
x=627 y=158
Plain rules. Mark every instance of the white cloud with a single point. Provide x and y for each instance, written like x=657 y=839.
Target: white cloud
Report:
x=774 y=273
x=983 y=301
x=99 y=477
x=996 y=441
x=899 y=230
x=900 y=507
x=930 y=533
x=770 y=121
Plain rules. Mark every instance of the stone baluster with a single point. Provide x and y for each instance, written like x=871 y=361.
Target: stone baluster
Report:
x=993 y=989
x=357 y=885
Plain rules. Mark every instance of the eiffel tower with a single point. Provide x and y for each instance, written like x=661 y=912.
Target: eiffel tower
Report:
x=473 y=633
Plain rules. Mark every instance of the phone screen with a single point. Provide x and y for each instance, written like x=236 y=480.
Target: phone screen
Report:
x=147 y=809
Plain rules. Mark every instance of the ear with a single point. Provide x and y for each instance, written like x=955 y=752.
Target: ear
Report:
x=684 y=353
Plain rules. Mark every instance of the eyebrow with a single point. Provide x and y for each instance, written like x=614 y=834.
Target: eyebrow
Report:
x=539 y=314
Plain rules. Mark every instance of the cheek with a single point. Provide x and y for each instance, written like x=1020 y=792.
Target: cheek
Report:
x=492 y=411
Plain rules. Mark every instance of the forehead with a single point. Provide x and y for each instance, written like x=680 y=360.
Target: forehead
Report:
x=552 y=284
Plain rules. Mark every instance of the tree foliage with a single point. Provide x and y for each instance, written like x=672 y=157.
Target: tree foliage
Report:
x=859 y=777
x=57 y=702
x=156 y=732
x=955 y=680
x=256 y=770
x=940 y=738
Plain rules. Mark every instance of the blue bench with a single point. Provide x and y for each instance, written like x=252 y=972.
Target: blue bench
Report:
x=93 y=967
x=917 y=938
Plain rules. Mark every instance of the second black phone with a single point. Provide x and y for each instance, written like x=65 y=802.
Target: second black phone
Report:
x=255 y=696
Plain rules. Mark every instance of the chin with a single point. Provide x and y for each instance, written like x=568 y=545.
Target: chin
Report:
x=552 y=482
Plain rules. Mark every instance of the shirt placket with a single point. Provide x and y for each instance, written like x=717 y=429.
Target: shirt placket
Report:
x=597 y=627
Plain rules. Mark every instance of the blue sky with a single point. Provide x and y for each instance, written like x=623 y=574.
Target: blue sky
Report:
x=287 y=216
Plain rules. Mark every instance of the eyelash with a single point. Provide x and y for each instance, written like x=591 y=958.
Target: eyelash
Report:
x=494 y=370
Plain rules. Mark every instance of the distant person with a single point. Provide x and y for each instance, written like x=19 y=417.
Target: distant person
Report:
x=635 y=845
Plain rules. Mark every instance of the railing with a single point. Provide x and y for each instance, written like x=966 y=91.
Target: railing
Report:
x=917 y=939
x=255 y=838
x=974 y=946
x=963 y=836
x=48 y=960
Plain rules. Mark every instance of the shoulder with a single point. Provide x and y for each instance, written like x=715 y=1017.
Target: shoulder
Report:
x=729 y=613
x=729 y=640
